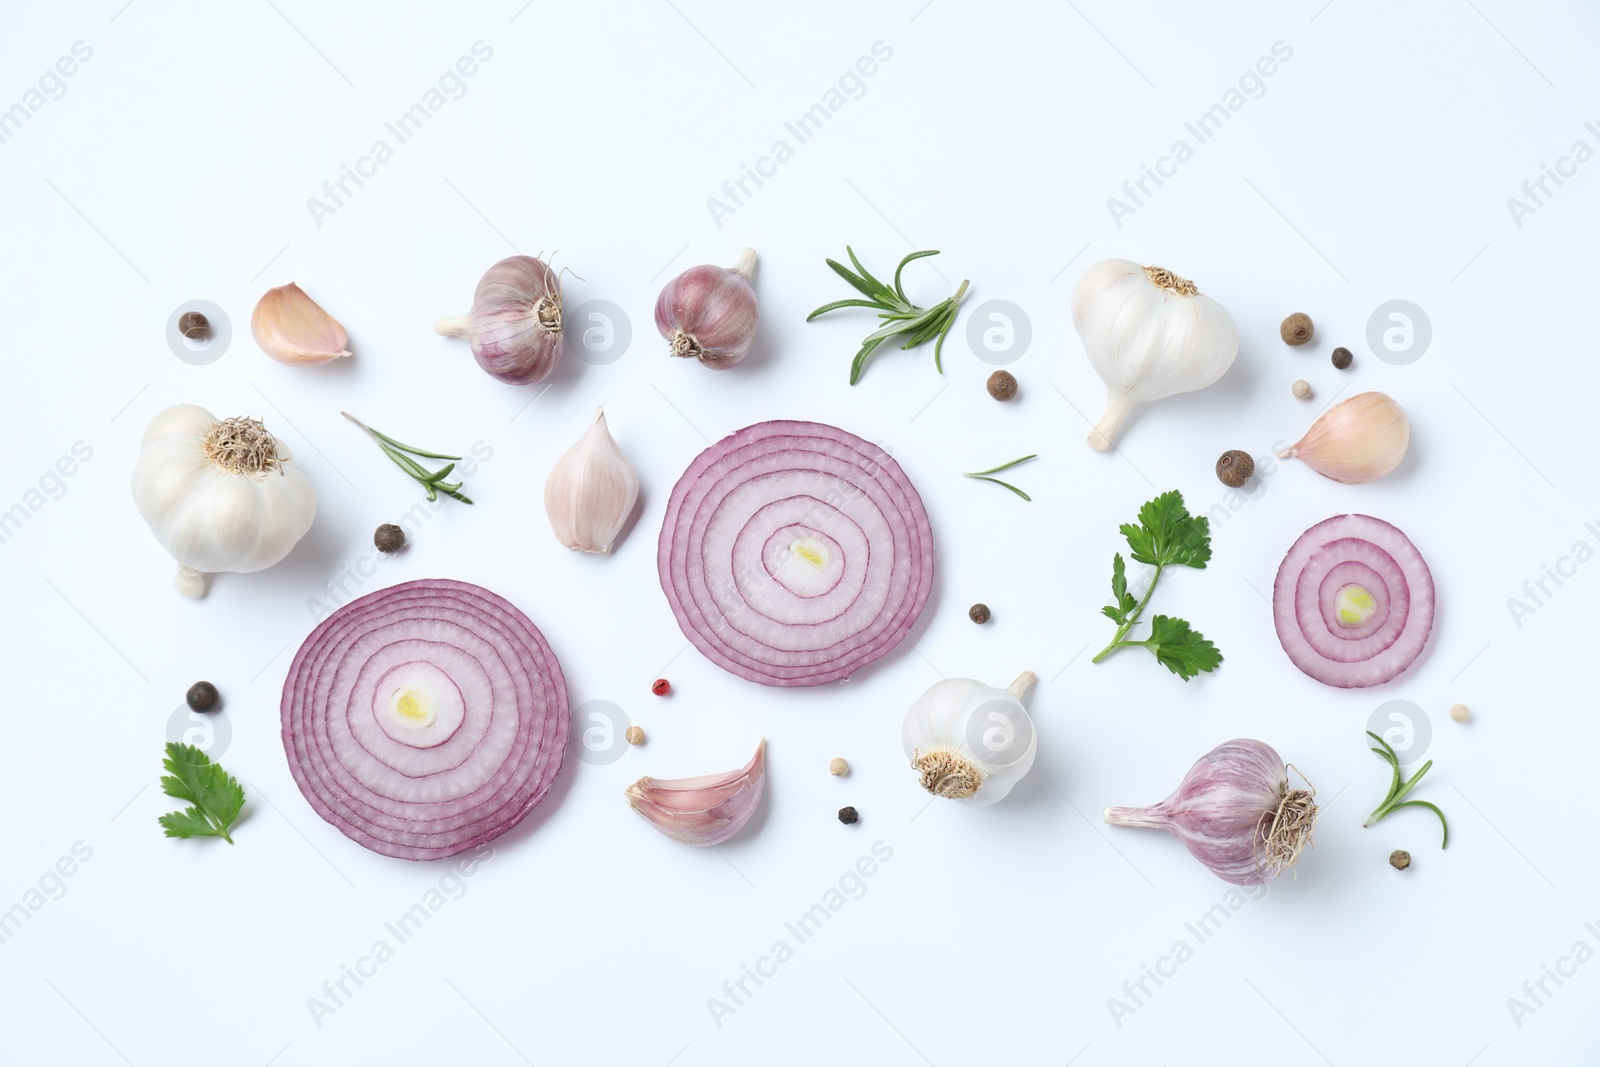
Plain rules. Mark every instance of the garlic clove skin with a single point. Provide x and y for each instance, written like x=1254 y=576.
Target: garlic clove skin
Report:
x=709 y=313
x=704 y=810
x=970 y=742
x=219 y=495
x=515 y=322
x=1357 y=440
x=291 y=328
x=591 y=491
x=1148 y=334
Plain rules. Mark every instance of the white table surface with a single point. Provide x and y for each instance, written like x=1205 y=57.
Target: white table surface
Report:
x=1374 y=164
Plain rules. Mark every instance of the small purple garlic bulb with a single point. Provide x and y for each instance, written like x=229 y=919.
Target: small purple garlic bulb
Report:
x=709 y=312
x=1235 y=812
x=515 y=321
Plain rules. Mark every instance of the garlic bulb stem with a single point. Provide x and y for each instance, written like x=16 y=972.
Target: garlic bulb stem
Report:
x=1105 y=431
x=454 y=326
x=1024 y=682
x=746 y=263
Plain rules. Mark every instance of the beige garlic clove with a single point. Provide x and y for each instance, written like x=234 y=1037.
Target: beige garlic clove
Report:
x=704 y=810
x=291 y=328
x=591 y=491
x=1356 y=440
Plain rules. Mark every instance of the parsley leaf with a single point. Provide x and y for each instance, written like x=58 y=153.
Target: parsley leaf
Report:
x=1167 y=536
x=216 y=795
x=1181 y=649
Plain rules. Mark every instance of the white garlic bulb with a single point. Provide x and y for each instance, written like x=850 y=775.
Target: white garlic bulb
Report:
x=219 y=494
x=591 y=491
x=970 y=741
x=1148 y=334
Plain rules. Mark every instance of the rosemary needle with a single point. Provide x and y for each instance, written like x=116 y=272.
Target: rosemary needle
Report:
x=983 y=476
x=431 y=481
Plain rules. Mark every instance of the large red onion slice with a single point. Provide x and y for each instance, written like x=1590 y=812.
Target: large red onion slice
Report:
x=425 y=719
x=794 y=553
x=1353 y=602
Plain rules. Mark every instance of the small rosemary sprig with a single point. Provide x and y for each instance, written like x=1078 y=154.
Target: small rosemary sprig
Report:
x=900 y=315
x=433 y=481
x=1397 y=791
x=983 y=476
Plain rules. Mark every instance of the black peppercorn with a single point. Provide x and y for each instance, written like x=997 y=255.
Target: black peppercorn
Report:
x=1002 y=385
x=194 y=326
x=202 y=696
x=848 y=815
x=389 y=538
x=1296 y=329
x=1234 y=468
x=978 y=613
x=1342 y=358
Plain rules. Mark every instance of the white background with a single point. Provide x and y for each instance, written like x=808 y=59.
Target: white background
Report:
x=1376 y=166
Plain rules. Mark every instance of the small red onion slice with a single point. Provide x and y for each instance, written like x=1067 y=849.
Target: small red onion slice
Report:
x=425 y=719
x=1353 y=602
x=795 y=553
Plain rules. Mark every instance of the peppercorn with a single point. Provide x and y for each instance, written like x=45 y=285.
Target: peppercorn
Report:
x=1460 y=712
x=194 y=326
x=635 y=735
x=848 y=815
x=1301 y=389
x=1399 y=859
x=1296 y=329
x=1342 y=358
x=978 y=613
x=389 y=538
x=660 y=687
x=1002 y=385
x=838 y=768
x=1234 y=468
x=202 y=696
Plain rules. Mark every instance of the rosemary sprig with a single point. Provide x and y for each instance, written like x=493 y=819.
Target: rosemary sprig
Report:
x=983 y=476
x=1397 y=792
x=432 y=481
x=901 y=317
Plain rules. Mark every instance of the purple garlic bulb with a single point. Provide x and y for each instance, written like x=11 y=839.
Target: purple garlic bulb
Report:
x=1235 y=812
x=709 y=312
x=515 y=321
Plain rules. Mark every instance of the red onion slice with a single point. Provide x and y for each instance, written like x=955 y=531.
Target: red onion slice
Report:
x=795 y=553
x=1353 y=602
x=425 y=719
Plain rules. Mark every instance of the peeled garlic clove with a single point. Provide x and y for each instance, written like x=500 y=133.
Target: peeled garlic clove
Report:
x=709 y=313
x=969 y=741
x=591 y=491
x=291 y=328
x=1356 y=440
x=515 y=321
x=704 y=810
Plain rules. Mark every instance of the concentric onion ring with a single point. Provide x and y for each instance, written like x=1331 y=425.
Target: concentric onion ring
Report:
x=1353 y=602
x=795 y=553
x=425 y=719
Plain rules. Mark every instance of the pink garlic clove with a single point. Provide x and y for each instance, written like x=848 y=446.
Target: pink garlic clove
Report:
x=291 y=328
x=1235 y=812
x=709 y=313
x=704 y=810
x=515 y=322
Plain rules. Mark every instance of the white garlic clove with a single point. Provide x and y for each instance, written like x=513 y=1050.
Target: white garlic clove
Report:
x=291 y=328
x=969 y=741
x=1357 y=440
x=591 y=491
x=704 y=810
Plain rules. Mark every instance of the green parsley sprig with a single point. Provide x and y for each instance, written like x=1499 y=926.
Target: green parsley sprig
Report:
x=1398 y=790
x=901 y=317
x=216 y=795
x=1167 y=536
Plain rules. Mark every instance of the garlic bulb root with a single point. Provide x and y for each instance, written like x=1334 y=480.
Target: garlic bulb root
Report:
x=947 y=773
